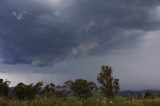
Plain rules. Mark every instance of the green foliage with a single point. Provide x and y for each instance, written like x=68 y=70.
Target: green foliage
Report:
x=116 y=87
x=110 y=86
x=83 y=88
x=22 y=91
x=49 y=90
x=148 y=95
x=92 y=86
x=73 y=101
x=80 y=86
x=4 y=87
x=68 y=84
x=26 y=94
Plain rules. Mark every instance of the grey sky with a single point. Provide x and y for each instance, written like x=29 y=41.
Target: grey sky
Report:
x=67 y=39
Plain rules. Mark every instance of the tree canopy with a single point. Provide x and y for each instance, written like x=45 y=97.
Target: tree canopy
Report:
x=110 y=86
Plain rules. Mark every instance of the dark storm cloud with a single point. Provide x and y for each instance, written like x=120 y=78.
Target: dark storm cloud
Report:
x=39 y=33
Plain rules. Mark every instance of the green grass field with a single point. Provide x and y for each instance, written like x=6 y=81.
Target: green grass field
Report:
x=72 y=101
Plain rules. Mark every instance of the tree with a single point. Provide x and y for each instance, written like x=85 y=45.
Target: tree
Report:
x=92 y=86
x=148 y=95
x=4 y=87
x=19 y=91
x=36 y=89
x=116 y=87
x=22 y=91
x=49 y=90
x=79 y=86
x=110 y=86
x=83 y=88
x=68 y=85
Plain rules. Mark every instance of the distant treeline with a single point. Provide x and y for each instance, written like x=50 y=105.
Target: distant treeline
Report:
x=80 y=88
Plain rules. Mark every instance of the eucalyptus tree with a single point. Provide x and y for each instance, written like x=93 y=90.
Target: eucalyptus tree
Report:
x=110 y=86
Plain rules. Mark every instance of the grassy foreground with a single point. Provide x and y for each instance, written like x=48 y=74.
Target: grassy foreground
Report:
x=71 y=101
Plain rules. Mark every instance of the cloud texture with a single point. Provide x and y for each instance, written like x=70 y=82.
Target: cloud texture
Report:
x=43 y=33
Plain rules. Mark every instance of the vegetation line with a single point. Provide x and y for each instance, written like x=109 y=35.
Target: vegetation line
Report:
x=79 y=92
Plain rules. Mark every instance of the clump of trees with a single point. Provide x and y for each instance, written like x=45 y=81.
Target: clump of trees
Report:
x=80 y=87
x=22 y=91
x=83 y=88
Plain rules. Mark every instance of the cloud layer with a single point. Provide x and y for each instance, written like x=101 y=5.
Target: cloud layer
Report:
x=43 y=33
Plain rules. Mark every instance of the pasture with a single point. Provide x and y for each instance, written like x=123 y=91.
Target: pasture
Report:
x=72 y=101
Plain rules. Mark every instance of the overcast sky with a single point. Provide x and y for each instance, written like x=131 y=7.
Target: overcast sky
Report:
x=58 y=40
